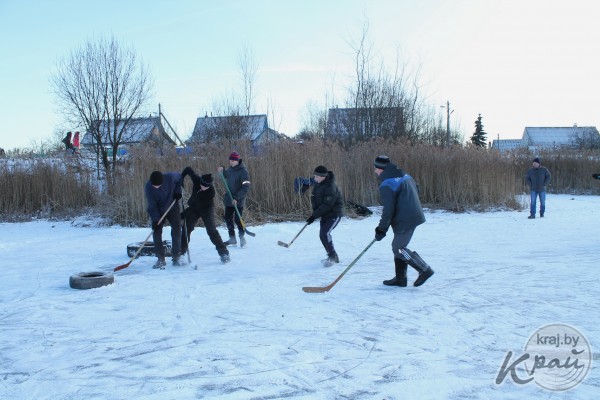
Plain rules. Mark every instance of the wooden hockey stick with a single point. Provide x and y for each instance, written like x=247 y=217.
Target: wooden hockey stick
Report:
x=290 y=243
x=315 y=289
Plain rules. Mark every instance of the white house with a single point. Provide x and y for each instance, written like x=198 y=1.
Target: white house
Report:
x=539 y=138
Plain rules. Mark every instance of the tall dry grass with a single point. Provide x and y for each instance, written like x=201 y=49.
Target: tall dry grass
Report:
x=45 y=187
x=457 y=178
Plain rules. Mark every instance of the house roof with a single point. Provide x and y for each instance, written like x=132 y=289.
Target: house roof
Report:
x=553 y=136
x=507 y=144
x=136 y=131
x=253 y=125
x=339 y=120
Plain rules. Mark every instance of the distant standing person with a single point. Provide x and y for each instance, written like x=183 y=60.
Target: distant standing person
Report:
x=76 y=142
x=238 y=181
x=67 y=142
x=161 y=191
x=328 y=205
x=403 y=212
x=201 y=205
x=538 y=178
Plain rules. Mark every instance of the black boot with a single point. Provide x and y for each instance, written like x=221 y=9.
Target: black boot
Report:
x=400 y=278
x=231 y=242
x=333 y=257
x=425 y=271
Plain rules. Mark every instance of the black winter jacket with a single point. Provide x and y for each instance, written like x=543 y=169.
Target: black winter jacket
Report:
x=400 y=199
x=238 y=182
x=200 y=199
x=326 y=198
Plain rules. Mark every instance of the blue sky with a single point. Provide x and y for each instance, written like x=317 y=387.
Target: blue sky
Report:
x=517 y=63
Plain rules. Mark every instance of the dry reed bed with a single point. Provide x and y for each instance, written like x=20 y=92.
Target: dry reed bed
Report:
x=457 y=179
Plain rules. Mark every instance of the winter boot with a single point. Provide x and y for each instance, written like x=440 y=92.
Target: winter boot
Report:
x=178 y=262
x=400 y=278
x=531 y=217
x=231 y=242
x=425 y=271
x=160 y=264
x=333 y=257
x=225 y=258
x=242 y=241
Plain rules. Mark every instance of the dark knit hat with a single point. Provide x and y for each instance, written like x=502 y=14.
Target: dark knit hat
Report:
x=235 y=156
x=157 y=178
x=537 y=160
x=206 y=180
x=381 y=162
x=321 y=171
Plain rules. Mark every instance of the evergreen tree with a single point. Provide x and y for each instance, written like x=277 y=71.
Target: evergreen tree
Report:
x=479 y=137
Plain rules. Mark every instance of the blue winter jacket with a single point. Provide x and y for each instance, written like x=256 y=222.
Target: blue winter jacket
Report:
x=400 y=199
x=159 y=199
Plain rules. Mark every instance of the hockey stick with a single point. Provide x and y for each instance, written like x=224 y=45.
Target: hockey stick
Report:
x=311 y=289
x=290 y=243
x=120 y=267
x=235 y=206
x=187 y=235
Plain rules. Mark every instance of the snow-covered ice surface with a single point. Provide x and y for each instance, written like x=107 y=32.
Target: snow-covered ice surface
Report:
x=246 y=330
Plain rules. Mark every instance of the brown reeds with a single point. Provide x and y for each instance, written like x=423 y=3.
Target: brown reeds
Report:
x=458 y=178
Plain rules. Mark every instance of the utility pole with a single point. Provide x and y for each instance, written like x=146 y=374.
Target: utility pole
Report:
x=448 y=112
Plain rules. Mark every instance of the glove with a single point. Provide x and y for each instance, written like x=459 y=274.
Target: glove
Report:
x=156 y=226
x=177 y=196
x=310 y=220
x=379 y=234
x=187 y=171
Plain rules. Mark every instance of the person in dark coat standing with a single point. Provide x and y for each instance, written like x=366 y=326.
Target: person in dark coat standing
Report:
x=238 y=181
x=403 y=212
x=202 y=205
x=67 y=142
x=327 y=204
x=162 y=191
x=538 y=178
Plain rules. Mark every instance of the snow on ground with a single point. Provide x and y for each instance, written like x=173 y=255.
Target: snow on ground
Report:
x=246 y=330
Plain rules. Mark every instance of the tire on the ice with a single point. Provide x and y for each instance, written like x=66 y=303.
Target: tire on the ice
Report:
x=148 y=248
x=90 y=280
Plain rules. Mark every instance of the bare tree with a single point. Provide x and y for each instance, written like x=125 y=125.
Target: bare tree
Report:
x=585 y=138
x=248 y=69
x=380 y=103
x=102 y=86
x=228 y=122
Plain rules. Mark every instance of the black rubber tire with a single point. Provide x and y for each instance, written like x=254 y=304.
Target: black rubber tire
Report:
x=90 y=280
x=148 y=248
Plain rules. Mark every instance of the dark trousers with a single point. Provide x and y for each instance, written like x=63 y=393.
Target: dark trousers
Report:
x=231 y=217
x=174 y=219
x=327 y=226
x=208 y=219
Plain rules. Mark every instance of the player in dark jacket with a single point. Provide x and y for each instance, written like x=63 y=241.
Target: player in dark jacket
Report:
x=161 y=191
x=238 y=181
x=327 y=204
x=402 y=211
x=202 y=205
